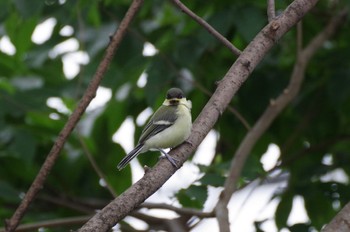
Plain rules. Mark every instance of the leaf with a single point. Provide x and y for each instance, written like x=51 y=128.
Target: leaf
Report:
x=193 y=197
x=283 y=210
x=212 y=179
x=29 y=9
x=6 y=86
x=20 y=32
x=7 y=64
x=313 y=207
x=300 y=227
x=23 y=145
x=8 y=194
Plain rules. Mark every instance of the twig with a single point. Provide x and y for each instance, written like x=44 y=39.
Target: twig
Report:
x=51 y=223
x=66 y=202
x=207 y=26
x=227 y=87
x=271 y=112
x=271 y=11
x=156 y=223
x=74 y=118
x=181 y=211
x=95 y=166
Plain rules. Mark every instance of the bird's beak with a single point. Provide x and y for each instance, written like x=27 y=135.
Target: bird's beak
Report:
x=174 y=101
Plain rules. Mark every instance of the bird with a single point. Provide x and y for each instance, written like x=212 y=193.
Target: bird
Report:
x=168 y=127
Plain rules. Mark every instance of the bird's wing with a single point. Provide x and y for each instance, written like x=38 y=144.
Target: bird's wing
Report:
x=159 y=122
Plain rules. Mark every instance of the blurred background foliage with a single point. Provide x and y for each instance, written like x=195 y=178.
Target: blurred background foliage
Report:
x=36 y=75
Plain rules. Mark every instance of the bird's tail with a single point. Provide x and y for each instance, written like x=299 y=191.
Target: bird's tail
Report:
x=137 y=150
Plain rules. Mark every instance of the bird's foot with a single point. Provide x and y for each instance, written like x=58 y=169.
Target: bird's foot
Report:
x=171 y=159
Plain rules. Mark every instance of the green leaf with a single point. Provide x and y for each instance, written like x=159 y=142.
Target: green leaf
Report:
x=23 y=145
x=212 y=179
x=94 y=14
x=313 y=207
x=8 y=194
x=29 y=8
x=300 y=227
x=283 y=210
x=6 y=86
x=193 y=197
x=20 y=32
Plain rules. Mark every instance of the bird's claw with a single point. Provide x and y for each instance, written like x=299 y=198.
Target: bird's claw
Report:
x=172 y=160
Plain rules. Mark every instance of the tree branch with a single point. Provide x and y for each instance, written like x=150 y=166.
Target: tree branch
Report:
x=207 y=26
x=181 y=211
x=74 y=118
x=341 y=222
x=155 y=177
x=272 y=111
x=164 y=224
x=271 y=11
x=51 y=223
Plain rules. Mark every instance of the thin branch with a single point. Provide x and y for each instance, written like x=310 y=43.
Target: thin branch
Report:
x=95 y=166
x=51 y=224
x=74 y=118
x=68 y=203
x=271 y=11
x=181 y=211
x=271 y=112
x=240 y=117
x=207 y=26
x=164 y=224
x=155 y=177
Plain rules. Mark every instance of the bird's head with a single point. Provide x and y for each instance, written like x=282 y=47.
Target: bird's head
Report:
x=175 y=97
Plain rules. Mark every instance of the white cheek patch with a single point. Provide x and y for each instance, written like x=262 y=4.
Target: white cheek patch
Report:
x=162 y=122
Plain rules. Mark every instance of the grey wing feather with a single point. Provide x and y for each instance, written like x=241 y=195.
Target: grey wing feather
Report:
x=152 y=128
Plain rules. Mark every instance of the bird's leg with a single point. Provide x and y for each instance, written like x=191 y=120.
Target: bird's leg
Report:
x=171 y=159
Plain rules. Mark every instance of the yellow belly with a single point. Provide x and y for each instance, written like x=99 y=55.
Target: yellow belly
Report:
x=175 y=134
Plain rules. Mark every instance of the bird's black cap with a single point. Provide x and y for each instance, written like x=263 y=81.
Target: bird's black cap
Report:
x=175 y=93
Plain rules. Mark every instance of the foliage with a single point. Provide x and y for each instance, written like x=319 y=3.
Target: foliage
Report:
x=314 y=128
